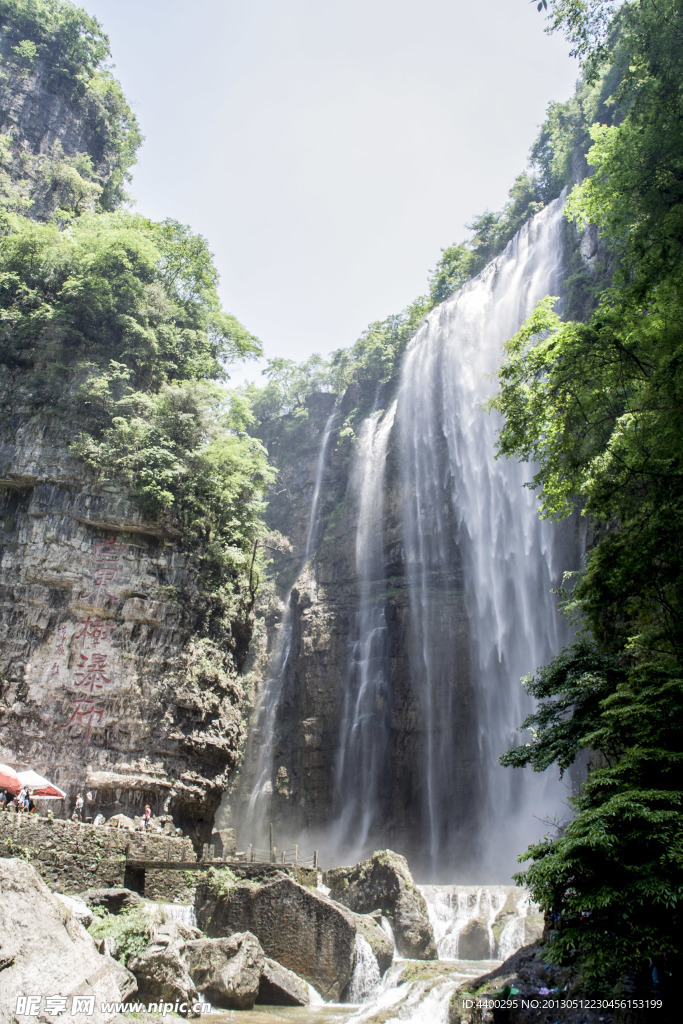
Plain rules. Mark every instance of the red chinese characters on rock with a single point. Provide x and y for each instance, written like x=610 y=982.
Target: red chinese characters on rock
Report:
x=92 y=675
x=107 y=559
x=94 y=630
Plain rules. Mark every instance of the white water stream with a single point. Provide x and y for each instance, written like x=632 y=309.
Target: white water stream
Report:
x=363 y=758
x=259 y=766
x=472 y=531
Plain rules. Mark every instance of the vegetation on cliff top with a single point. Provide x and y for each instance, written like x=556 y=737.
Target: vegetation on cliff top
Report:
x=111 y=323
x=599 y=407
x=63 y=50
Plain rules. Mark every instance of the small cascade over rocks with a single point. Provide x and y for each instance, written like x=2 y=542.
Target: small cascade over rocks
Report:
x=481 y=922
x=365 y=980
x=183 y=913
x=389 y=932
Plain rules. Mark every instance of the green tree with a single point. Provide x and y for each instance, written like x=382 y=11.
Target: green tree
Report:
x=599 y=407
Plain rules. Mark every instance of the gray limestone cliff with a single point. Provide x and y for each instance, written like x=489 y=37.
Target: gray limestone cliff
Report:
x=114 y=680
x=108 y=682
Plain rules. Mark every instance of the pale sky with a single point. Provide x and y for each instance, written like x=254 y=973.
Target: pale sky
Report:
x=328 y=149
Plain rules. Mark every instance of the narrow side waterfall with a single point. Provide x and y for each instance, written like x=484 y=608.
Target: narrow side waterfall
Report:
x=480 y=567
x=363 y=760
x=259 y=759
x=365 y=980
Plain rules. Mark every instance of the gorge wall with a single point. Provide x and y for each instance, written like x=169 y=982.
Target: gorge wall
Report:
x=112 y=681
x=106 y=685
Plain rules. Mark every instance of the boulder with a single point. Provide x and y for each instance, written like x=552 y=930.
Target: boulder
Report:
x=162 y=976
x=80 y=910
x=226 y=971
x=45 y=952
x=385 y=882
x=381 y=945
x=113 y=900
x=299 y=928
x=121 y=821
x=280 y=987
x=473 y=941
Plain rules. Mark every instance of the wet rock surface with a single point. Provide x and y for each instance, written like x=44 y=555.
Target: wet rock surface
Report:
x=384 y=882
x=280 y=987
x=226 y=971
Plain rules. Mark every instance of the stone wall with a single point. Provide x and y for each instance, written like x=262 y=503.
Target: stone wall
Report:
x=72 y=857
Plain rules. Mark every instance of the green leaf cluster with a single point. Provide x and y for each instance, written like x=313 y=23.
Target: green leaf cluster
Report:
x=598 y=406
x=131 y=930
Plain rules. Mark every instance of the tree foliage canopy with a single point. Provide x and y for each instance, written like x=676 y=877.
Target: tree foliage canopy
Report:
x=599 y=407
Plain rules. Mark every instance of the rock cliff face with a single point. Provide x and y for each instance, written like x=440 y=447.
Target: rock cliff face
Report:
x=50 y=123
x=105 y=682
x=109 y=683
x=324 y=603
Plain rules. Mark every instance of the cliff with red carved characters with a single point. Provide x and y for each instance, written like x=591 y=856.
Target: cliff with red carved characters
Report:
x=108 y=683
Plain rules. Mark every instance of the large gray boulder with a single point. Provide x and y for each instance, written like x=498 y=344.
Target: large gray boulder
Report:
x=473 y=941
x=46 y=952
x=80 y=910
x=299 y=928
x=226 y=971
x=280 y=987
x=162 y=976
x=384 y=882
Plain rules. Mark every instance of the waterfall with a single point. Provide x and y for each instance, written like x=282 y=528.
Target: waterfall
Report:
x=259 y=760
x=480 y=568
x=481 y=922
x=184 y=913
x=364 y=731
x=365 y=979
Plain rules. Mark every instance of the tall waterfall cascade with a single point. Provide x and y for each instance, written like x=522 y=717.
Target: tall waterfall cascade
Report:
x=471 y=524
x=259 y=765
x=443 y=604
x=365 y=729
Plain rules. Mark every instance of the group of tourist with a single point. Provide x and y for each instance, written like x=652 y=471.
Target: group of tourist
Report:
x=19 y=802
x=23 y=802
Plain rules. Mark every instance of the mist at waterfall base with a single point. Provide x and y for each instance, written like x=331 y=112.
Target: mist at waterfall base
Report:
x=480 y=568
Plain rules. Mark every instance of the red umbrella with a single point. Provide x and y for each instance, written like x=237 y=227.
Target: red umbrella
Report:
x=38 y=785
x=9 y=779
